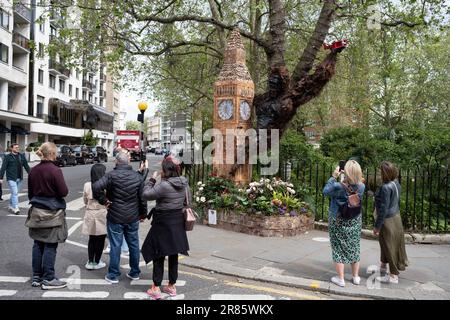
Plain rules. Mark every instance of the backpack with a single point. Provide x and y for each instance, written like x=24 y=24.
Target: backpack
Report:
x=352 y=207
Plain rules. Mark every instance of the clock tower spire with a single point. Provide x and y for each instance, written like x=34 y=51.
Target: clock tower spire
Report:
x=233 y=98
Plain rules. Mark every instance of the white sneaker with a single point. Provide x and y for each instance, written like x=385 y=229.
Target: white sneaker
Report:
x=338 y=281
x=16 y=211
x=388 y=279
x=356 y=280
x=100 y=265
x=90 y=265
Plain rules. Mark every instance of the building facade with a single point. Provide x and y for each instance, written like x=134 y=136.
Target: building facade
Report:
x=154 y=132
x=41 y=99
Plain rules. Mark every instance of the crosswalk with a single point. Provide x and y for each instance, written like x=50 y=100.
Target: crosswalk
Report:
x=77 y=293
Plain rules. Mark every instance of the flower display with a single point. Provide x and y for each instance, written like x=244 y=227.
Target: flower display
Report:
x=263 y=197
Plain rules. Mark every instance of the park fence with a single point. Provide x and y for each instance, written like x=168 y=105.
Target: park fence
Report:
x=424 y=194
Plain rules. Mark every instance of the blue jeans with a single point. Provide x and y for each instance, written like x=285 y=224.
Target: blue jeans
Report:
x=43 y=260
x=116 y=235
x=14 y=186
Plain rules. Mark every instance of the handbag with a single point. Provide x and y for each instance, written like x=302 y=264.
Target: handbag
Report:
x=190 y=216
x=352 y=207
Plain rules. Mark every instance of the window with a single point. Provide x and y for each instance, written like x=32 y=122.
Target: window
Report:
x=90 y=97
x=84 y=95
x=78 y=74
x=4 y=53
x=77 y=93
x=52 y=81
x=53 y=31
x=95 y=100
x=40 y=106
x=41 y=76
x=41 y=50
x=70 y=90
x=4 y=19
x=101 y=102
x=42 y=26
x=62 y=86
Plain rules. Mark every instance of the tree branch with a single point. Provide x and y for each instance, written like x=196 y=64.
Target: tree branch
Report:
x=306 y=61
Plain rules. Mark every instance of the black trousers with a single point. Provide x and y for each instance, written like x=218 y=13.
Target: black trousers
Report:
x=158 y=270
x=95 y=247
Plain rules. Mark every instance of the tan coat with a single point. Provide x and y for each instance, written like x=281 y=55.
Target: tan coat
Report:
x=95 y=214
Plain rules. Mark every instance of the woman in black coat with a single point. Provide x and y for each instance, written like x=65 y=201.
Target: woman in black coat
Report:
x=167 y=236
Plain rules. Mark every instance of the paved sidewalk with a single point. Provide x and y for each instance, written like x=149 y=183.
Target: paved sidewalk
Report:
x=305 y=262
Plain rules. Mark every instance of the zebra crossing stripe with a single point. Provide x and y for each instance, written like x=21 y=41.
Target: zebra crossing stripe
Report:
x=14 y=279
x=7 y=293
x=76 y=204
x=145 y=296
x=76 y=294
x=8 y=196
x=180 y=283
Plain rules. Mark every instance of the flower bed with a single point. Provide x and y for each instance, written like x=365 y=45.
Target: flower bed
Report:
x=265 y=208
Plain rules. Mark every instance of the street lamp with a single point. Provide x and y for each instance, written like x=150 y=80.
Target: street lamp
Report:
x=142 y=106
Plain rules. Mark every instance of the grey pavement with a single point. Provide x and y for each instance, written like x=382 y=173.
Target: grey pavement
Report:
x=304 y=261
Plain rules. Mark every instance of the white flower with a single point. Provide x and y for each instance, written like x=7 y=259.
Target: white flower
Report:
x=200 y=189
x=240 y=190
x=290 y=185
x=253 y=189
x=197 y=199
x=248 y=190
x=202 y=199
x=290 y=190
x=199 y=183
x=270 y=187
x=267 y=180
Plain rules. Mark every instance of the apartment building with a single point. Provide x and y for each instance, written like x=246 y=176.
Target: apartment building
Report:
x=15 y=116
x=154 y=132
x=176 y=132
x=41 y=99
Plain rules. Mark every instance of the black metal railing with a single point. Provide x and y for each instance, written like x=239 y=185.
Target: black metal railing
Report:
x=20 y=40
x=424 y=204
x=24 y=11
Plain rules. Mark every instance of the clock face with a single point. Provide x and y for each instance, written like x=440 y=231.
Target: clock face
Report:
x=245 y=110
x=226 y=109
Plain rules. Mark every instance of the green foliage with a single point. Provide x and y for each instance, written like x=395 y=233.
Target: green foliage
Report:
x=133 y=125
x=89 y=139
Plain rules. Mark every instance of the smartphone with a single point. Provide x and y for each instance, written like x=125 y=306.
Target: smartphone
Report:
x=342 y=165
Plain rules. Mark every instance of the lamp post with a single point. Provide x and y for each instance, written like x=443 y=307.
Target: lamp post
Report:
x=142 y=107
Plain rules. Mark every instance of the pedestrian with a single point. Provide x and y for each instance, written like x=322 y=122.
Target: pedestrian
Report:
x=344 y=233
x=167 y=236
x=125 y=208
x=12 y=165
x=388 y=225
x=94 y=223
x=46 y=217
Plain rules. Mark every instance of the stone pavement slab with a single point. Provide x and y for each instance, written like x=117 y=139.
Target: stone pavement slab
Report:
x=304 y=261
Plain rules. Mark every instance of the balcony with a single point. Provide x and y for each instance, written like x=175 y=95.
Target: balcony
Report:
x=52 y=38
x=55 y=18
x=64 y=72
x=53 y=67
x=21 y=44
x=22 y=14
x=88 y=85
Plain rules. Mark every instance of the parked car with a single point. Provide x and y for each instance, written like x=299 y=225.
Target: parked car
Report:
x=100 y=154
x=158 y=151
x=83 y=154
x=65 y=156
x=151 y=149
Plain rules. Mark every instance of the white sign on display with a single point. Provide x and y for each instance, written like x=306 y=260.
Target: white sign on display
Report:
x=212 y=217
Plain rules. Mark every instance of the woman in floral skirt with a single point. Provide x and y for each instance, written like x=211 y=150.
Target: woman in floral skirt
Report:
x=345 y=234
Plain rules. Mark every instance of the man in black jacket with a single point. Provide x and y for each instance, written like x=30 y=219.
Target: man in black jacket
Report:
x=12 y=165
x=125 y=206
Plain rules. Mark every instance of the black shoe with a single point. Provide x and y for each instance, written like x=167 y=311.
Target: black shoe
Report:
x=1 y=199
